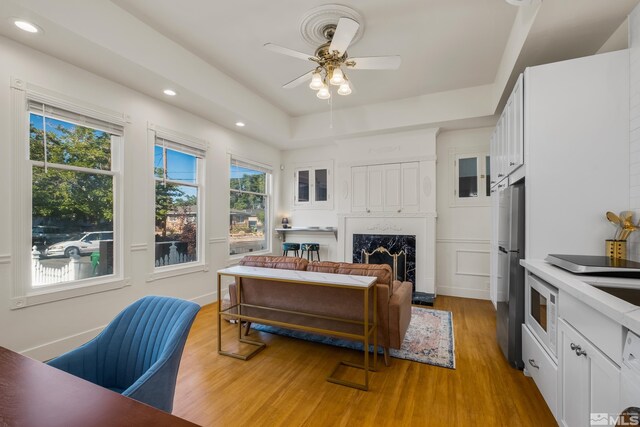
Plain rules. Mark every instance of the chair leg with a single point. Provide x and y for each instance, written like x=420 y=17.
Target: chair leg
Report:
x=284 y=253
x=387 y=359
x=248 y=329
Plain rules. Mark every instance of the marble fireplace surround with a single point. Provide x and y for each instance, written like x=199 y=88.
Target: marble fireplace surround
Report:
x=421 y=225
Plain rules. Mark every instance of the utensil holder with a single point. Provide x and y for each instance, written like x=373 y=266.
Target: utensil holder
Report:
x=616 y=249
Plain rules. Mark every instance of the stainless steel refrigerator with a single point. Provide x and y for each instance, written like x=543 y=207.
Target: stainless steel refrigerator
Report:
x=510 y=298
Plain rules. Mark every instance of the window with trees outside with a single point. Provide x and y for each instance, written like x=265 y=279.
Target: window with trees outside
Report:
x=249 y=220
x=73 y=197
x=178 y=194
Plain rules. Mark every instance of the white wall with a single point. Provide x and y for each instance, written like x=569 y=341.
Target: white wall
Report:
x=462 y=232
x=45 y=330
x=414 y=145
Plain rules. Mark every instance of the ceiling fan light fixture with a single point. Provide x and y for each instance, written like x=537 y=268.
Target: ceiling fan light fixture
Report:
x=316 y=81
x=345 y=89
x=324 y=93
x=337 y=77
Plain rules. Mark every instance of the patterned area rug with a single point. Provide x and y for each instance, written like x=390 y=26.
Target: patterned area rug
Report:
x=429 y=338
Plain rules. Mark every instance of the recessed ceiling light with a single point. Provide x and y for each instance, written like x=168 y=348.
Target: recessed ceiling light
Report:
x=26 y=26
x=170 y=92
x=240 y=124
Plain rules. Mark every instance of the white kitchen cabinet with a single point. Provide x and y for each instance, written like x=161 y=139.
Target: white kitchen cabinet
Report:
x=507 y=141
x=391 y=187
x=359 y=188
x=589 y=381
x=541 y=368
x=410 y=184
x=515 y=144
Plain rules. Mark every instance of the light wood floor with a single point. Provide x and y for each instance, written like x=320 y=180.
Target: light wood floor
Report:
x=285 y=385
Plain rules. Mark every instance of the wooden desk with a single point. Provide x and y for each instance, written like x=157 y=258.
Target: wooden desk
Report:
x=33 y=394
x=341 y=327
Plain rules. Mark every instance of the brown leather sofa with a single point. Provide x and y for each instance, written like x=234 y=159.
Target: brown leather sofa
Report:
x=394 y=297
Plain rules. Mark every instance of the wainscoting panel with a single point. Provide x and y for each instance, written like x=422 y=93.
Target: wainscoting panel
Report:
x=462 y=268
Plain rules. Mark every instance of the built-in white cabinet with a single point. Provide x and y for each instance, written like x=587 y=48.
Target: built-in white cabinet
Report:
x=589 y=381
x=410 y=187
x=507 y=140
x=386 y=188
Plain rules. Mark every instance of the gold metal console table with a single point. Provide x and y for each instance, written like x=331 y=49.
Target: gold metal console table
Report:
x=309 y=322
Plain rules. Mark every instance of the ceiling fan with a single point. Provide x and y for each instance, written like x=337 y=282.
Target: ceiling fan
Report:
x=331 y=59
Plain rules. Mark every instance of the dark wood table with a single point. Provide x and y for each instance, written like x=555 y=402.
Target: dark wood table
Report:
x=33 y=394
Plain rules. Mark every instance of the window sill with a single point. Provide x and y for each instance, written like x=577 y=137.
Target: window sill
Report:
x=70 y=291
x=173 y=271
x=235 y=259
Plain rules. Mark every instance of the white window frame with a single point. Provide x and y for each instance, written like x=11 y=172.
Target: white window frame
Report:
x=312 y=203
x=23 y=293
x=268 y=169
x=190 y=145
x=481 y=159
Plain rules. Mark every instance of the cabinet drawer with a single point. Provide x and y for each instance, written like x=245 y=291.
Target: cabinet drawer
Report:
x=541 y=368
x=602 y=331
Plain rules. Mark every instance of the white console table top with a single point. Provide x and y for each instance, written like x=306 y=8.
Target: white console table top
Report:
x=312 y=277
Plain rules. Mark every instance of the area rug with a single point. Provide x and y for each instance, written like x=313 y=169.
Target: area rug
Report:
x=429 y=338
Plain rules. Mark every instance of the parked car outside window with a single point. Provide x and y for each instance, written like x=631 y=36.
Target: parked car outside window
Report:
x=43 y=235
x=82 y=244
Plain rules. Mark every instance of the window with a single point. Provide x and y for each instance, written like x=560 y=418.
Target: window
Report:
x=312 y=187
x=249 y=217
x=472 y=179
x=178 y=174
x=73 y=197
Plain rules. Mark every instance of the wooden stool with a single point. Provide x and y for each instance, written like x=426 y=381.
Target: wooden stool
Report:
x=293 y=247
x=310 y=248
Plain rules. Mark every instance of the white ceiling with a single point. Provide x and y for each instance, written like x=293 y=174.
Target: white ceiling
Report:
x=459 y=57
x=444 y=44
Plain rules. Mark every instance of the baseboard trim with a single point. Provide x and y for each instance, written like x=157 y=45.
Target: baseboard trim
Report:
x=463 y=292
x=206 y=299
x=55 y=348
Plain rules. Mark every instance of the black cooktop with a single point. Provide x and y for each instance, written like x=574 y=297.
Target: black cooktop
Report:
x=601 y=265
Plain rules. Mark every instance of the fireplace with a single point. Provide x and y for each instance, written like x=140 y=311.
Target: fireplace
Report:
x=413 y=233
x=404 y=245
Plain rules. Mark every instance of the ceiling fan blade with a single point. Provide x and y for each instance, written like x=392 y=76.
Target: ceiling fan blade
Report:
x=345 y=32
x=298 y=81
x=375 y=63
x=289 y=52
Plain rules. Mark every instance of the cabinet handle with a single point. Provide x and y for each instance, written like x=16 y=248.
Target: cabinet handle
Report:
x=512 y=163
x=532 y=362
x=399 y=210
x=368 y=210
x=500 y=175
x=579 y=351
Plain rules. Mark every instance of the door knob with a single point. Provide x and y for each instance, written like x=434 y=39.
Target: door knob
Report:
x=532 y=362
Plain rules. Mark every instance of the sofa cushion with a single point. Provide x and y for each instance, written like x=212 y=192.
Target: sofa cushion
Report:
x=323 y=266
x=381 y=271
x=283 y=262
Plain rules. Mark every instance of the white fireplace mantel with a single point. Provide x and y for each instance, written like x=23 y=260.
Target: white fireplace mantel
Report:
x=422 y=225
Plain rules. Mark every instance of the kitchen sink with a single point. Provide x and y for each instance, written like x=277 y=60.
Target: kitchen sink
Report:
x=630 y=294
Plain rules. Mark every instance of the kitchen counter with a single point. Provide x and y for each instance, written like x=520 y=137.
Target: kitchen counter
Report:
x=579 y=286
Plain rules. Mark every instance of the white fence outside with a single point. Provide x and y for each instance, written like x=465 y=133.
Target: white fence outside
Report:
x=174 y=257
x=42 y=275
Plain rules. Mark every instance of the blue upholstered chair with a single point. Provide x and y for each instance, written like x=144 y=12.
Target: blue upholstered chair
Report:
x=138 y=353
